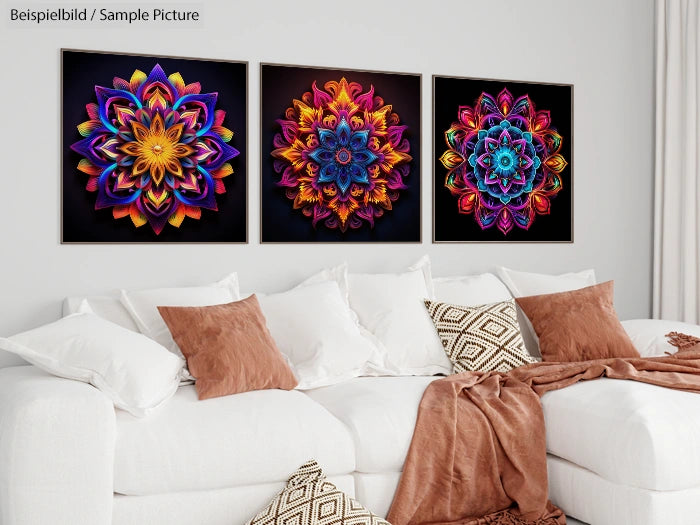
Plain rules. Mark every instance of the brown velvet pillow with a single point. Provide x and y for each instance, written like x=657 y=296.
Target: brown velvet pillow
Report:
x=579 y=325
x=228 y=348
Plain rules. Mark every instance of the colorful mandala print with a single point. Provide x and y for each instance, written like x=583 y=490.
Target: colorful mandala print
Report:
x=503 y=161
x=155 y=149
x=342 y=155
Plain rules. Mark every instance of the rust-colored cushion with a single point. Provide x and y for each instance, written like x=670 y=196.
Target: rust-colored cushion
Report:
x=578 y=325
x=228 y=348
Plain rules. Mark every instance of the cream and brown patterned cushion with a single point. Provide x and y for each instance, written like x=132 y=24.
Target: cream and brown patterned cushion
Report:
x=482 y=338
x=310 y=499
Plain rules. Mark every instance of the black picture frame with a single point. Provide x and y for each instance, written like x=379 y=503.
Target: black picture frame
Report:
x=282 y=85
x=223 y=215
x=456 y=199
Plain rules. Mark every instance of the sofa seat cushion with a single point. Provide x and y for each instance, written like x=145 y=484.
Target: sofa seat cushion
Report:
x=380 y=413
x=231 y=506
x=242 y=439
x=627 y=432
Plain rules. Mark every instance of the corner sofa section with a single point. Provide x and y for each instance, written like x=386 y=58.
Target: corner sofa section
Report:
x=57 y=440
x=67 y=457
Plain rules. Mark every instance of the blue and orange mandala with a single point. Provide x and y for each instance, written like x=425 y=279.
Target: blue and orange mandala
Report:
x=342 y=155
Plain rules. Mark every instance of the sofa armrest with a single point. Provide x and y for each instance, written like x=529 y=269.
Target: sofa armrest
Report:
x=57 y=441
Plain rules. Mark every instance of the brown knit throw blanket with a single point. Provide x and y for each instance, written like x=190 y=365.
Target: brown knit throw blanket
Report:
x=478 y=453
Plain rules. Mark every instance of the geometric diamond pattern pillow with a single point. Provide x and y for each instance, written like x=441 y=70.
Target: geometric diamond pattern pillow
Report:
x=310 y=499
x=480 y=338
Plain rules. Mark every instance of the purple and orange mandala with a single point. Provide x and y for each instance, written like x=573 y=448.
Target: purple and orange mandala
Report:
x=155 y=149
x=342 y=155
x=503 y=161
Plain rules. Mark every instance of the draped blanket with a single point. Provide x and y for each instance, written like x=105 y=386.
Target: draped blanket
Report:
x=478 y=454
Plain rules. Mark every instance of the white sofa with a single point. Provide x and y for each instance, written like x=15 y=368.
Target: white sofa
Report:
x=621 y=453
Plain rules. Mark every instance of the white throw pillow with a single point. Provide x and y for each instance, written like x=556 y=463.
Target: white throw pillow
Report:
x=470 y=290
x=136 y=373
x=106 y=306
x=143 y=305
x=338 y=273
x=523 y=284
x=391 y=307
x=649 y=335
x=315 y=329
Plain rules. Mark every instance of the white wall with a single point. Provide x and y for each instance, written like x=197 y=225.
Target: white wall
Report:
x=604 y=47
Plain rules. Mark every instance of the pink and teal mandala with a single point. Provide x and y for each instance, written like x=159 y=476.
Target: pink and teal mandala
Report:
x=503 y=161
x=155 y=149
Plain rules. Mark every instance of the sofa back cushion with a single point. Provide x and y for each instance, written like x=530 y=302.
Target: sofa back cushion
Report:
x=143 y=305
x=314 y=327
x=470 y=290
x=106 y=306
x=390 y=306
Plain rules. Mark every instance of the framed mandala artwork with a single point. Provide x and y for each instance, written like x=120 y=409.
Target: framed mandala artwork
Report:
x=502 y=161
x=154 y=149
x=340 y=155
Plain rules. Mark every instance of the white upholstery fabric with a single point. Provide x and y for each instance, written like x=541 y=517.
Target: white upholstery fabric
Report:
x=380 y=413
x=390 y=306
x=143 y=305
x=376 y=491
x=314 y=327
x=234 y=506
x=592 y=499
x=649 y=335
x=522 y=284
x=470 y=290
x=136 y=373
x=231 y=506
x=627 y=432
x=8 y=359
x=338 y=273
x=106 y=306
x=56 y=450
x=243 y=439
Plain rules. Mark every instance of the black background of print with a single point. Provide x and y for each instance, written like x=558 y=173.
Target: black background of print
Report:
x=82 y=71
x=450 y=225
x=280 y=221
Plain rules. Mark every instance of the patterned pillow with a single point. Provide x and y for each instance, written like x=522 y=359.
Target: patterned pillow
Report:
x=310 y=499
x=480 y=338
